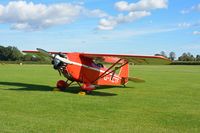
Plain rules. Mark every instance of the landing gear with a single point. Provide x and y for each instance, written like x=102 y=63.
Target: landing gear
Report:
x=62 y=85
x=85 y=88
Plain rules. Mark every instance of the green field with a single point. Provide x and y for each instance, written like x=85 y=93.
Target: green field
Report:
x=169 y=101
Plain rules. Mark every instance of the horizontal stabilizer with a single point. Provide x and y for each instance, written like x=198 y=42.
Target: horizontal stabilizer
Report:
x=135 y=79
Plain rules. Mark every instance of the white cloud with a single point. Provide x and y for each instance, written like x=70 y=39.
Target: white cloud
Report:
x=196 y=33
x=135 y=11
x=24 y=15
x=106 y=24
x=96 y=13
x=111 y=22
x=141 y=5
x=30 y=16
x=21 y=26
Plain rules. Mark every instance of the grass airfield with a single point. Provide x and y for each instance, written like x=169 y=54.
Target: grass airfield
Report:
x=169 y=101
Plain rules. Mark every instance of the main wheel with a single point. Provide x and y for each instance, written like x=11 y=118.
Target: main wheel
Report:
x=62 y=85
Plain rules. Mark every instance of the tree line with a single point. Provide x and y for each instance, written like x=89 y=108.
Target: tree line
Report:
x=184 y=57
x=12 y=53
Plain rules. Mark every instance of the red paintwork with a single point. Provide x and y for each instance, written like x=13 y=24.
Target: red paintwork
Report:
x=84 y=70
x=81 y=72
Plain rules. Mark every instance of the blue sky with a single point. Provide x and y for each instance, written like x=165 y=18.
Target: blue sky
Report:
x=102 y=26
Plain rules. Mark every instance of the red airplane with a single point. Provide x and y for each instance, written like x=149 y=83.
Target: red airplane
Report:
x=84 y=69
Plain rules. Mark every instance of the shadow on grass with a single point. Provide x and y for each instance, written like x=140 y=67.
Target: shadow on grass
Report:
x=117 y=87
x=35 y=87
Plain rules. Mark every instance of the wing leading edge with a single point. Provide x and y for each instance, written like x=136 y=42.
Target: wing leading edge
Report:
x=137 y=59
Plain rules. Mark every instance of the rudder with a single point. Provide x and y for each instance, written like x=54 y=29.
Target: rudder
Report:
x=124 y=73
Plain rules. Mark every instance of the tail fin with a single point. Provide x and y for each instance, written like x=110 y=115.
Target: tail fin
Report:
x=124 y=73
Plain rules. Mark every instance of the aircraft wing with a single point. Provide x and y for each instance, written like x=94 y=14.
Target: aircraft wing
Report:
x=112 y=58
x=136 y=59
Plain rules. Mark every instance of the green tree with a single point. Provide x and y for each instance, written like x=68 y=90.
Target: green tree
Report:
x=186 y=57
x=15 y=54
x=197 y=58
x=172 y=55
x=10 y=53
x=2 y=55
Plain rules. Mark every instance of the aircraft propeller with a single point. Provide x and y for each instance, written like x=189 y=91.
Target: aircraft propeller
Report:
x=44 y=52
x=58 y=60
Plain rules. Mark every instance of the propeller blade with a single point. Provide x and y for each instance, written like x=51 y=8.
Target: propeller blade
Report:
x=56 y=56
x=44 y=52
x=135 y=79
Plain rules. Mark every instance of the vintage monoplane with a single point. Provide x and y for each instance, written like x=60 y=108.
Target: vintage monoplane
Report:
x=85 y=69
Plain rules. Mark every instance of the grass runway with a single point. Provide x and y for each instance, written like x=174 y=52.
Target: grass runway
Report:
x=168 y=102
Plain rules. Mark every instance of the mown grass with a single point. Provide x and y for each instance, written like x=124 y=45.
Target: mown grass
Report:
x=169 y=101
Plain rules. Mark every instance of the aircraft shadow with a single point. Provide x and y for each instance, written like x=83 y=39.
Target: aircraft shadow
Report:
x=117 y=87
x=35 y=87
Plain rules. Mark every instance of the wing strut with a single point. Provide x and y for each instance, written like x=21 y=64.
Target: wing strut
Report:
x=113 y=71
x=106 y=72
x=103 y=74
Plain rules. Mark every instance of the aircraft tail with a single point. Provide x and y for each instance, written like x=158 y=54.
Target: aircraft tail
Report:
x=124 y=72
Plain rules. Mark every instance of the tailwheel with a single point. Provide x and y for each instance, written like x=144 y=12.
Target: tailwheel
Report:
x=62 y=85
x=82 y=93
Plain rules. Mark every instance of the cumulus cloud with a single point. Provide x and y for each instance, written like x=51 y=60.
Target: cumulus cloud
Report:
x=196 y=33
x=141 y=5
x=135 y=11
x=106 y=24
x=24 y=15
x=95 y=13
x=111 y=22
x=30 y=16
